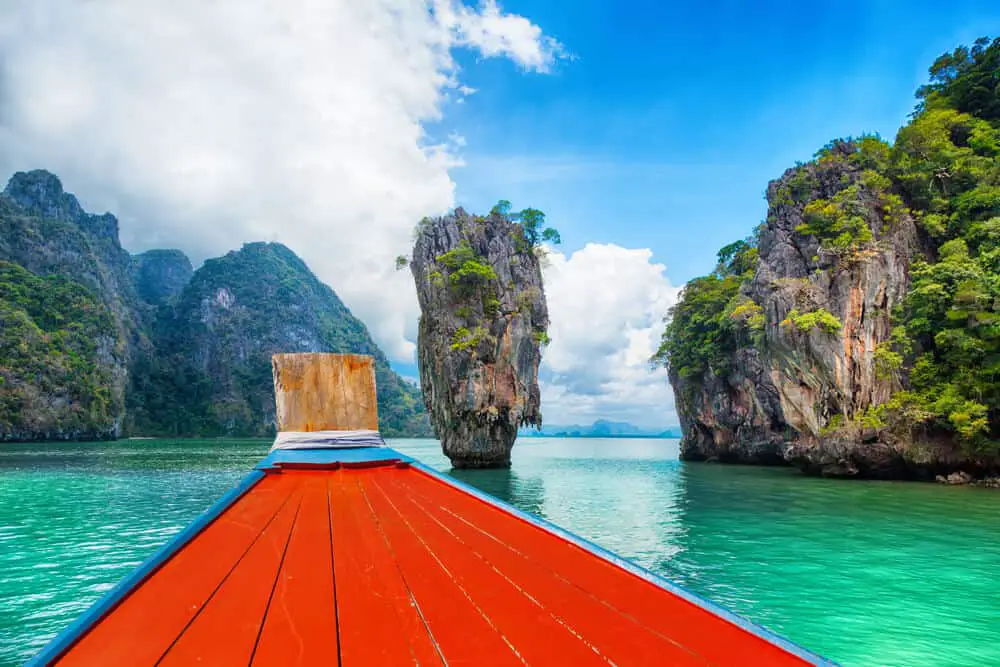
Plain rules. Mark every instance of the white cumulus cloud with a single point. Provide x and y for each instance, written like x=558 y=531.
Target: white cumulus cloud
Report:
x=606 y=306
x=207 y=124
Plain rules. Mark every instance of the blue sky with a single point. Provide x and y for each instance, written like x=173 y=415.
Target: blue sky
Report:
x=667 y=124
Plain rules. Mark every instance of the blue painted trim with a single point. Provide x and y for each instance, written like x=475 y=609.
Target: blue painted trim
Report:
x=637 y=570
x=76 y=630
x=327 y=456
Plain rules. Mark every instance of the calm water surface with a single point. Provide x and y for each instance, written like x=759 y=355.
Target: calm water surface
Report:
x=865 y=573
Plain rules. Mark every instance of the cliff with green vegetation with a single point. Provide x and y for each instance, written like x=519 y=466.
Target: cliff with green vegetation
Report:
x=483 y=323
x=856 y=332
x=212 y=371
x=70 y=315
x=96 y=343
x=58 y=343
x=161 y=275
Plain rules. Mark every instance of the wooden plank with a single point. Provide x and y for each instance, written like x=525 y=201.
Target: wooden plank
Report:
x=225 y=630
x=379 y=622
x=301 y=623
x=464 y=633
x=140 y=629
x=325 y=392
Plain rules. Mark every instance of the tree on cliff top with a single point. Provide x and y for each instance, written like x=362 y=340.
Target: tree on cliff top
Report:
x=967 y=80
x=532 y=222
x=708 y=323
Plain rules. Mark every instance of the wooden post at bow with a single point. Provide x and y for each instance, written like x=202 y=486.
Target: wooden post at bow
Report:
x=325 y=392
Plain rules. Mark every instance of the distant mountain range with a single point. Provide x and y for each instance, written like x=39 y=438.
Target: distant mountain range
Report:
x=98 y=343
x=601 y=428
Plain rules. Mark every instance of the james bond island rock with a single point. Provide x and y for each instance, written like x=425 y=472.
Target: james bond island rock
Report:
x=482 y=326
x=857 y=332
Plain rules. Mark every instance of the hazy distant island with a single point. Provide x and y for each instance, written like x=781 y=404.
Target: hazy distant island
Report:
x=856 y=331
x=601 y=428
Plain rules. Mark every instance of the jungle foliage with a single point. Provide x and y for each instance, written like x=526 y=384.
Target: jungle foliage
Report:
x=50 y=330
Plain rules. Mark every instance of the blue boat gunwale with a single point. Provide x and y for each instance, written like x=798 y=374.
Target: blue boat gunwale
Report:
x=104 y=605
x=71 y=634
x=272 y=462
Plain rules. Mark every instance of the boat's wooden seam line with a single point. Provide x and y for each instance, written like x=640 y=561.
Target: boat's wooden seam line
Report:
x=333 y=568
x=223 y=580
x=414 y=492
x=274 y=584
x=70 y=637
x=402 y=575
x=451 y=576
x=554 y=616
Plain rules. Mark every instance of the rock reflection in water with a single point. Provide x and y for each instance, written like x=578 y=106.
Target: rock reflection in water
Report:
x=525 y=493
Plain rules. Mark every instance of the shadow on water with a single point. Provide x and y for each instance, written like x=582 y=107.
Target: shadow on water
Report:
x=125 y=456
x=524 y=493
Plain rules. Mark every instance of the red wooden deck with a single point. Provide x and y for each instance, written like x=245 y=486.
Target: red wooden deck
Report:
x=390 y=565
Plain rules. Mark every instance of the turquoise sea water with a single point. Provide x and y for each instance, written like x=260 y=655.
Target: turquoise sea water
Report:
x=865 y=573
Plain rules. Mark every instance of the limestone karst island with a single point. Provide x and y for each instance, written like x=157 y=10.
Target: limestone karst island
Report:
x=493 y=333
x=482 y=326
x=856 y=331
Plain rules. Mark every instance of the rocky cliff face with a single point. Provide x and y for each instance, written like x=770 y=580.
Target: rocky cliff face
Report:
x=483 y=322
x=66 y=266
x=820 y=373
x=800 y=381
x=826 y=377
x=732 y=417
x=823 y=296
x=856 y=333
x=96 y=343
x=213 y=371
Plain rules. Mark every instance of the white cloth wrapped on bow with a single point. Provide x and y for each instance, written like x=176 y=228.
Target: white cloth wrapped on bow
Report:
x=327 y=439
